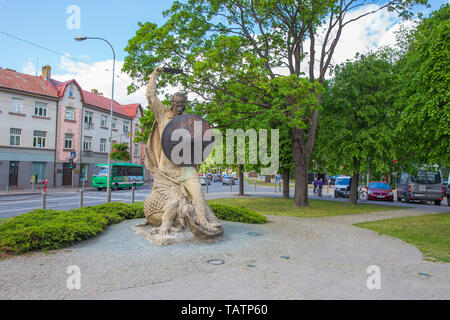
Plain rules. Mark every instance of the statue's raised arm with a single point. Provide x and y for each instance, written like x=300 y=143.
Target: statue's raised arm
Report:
x=155 y=104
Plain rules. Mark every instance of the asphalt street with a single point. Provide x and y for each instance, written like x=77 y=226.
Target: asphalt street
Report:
x=14 y=205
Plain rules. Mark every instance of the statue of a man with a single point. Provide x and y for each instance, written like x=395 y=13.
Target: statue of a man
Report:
x=185 y=175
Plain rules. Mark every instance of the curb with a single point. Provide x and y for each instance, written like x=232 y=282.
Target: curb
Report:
x=40 y=191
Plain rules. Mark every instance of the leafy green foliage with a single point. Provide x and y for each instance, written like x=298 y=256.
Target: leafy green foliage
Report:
x=232 y=53
x=120 y=152
x=52 y=229
x=237 y=214
x=359 y=120
x=423 y=91
x=146 y=124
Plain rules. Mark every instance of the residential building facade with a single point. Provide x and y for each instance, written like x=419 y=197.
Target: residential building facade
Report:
x=28 y=111
x=45 y=123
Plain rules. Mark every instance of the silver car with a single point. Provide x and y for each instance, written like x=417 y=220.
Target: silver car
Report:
x=424 y=186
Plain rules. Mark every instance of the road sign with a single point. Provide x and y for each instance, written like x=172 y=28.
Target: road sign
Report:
x=73 y=154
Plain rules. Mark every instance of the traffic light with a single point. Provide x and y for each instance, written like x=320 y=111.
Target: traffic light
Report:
x=72 y=165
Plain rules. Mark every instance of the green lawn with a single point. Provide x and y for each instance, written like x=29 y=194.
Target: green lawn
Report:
x=429 y=233
x=283 y=207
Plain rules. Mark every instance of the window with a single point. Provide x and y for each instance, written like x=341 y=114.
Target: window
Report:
x=70 y=91
x=14 y=136
x=136 y=149
x=125 y=126
x=87 y=143
x=88 y=117
x=16 y=105
x=39 y=169
x=69 y=113
x=427 y=177
x=114 y=123
x=39 y=138
x=68 y=141
x=40 y=109
x=102 y=145
x=104 y=119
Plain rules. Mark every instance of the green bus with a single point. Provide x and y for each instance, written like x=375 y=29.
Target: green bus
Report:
x=124 y=175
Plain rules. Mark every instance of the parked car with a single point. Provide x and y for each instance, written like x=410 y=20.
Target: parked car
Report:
x=209 y=176
x=217 y=177
x=380 y=191
x=204 y=181
x=340 y=186
x=425 y=185
x=227 y=180
x=235 y=177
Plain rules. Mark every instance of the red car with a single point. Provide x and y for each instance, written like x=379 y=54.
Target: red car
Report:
x=380 y=191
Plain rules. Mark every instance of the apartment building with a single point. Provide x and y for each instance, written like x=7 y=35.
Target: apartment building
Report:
x=47 y=122
x=95 y=131
x=136 y=149
x=28 y=112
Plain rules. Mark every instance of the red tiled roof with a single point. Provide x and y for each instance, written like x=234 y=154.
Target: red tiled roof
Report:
x=26 y=83
x=102 y=102
x=131 y=109
x=61 y=86
x=54 y=88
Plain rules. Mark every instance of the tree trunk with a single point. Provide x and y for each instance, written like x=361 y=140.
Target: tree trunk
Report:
x=241 y=180
x=266 y=179
x=301 y=159
x=354 y=185
x=286 y=184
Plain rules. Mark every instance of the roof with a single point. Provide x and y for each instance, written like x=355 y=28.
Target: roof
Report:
x=61 y=86
x=131 y=109
x=53 y=88
x=102 y=102
x=26 y=83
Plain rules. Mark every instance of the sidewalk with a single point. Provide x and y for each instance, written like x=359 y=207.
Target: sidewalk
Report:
x=38 y=190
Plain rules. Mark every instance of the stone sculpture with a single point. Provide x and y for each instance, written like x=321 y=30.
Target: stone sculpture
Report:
x=176 y=201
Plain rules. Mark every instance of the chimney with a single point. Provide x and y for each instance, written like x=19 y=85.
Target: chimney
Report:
x=47 y=72
x=95 y=91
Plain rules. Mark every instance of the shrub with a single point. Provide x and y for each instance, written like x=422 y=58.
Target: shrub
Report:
x=237 y=214
x=54 y=229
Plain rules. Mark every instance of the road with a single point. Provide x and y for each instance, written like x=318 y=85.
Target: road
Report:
x=14 y=205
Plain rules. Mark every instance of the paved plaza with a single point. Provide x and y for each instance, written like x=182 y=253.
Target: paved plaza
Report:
x=287 y=258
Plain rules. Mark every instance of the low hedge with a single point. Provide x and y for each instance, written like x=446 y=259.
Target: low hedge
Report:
x=237 y=214
x=54 y=229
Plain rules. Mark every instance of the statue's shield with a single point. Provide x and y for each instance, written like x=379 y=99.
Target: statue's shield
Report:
x=187 y=140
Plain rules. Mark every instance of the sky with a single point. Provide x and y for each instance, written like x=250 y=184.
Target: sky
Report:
x=53 y=24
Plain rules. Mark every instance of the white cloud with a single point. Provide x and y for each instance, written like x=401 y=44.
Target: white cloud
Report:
x=29 y=67
x=98 y=75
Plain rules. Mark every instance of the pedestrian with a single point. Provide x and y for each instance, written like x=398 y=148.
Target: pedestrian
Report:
x=315 y=184
x=320 y=185
x=44 y=182
x=328 y=187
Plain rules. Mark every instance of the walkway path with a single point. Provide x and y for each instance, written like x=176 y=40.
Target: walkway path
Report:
x=328 y=259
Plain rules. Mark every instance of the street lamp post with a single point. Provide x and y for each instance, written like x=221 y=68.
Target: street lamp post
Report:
x=108 y=187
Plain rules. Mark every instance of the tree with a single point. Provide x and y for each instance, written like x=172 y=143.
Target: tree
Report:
x=423 y=90
x=359 y=119
x=120 y=152
x=146 y=124
x=231 y=51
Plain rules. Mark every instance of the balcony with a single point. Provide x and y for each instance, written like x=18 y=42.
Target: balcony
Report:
x=88 y=125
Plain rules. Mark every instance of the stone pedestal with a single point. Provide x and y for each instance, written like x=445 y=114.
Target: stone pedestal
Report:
x=172 y=238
